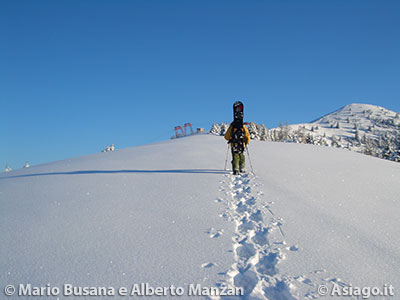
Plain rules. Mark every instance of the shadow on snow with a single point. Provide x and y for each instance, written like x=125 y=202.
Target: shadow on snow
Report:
x=83 y=172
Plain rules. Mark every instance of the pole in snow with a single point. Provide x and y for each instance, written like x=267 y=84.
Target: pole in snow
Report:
x=251 y=166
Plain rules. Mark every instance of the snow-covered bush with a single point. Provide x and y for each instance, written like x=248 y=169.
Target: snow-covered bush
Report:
x=109 y=148
x=335 y=142
x=254 y=131
x=357 y=136
x=216 y=129
x=224 y=128
x=263 y=133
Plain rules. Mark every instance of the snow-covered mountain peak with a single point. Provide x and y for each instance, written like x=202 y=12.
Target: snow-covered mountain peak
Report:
x=365 y=128
x=359 y=124
x=357 y=112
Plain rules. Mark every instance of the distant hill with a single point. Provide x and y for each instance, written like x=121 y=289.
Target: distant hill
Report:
x=363 y=128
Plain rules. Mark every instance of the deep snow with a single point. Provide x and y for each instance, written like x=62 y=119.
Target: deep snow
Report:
x=168 y=213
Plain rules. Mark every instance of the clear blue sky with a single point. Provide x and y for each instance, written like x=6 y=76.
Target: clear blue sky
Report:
x=76 y=75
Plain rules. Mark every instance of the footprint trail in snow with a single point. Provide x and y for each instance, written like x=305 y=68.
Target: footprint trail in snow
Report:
x=259 y=246
x=256 y=244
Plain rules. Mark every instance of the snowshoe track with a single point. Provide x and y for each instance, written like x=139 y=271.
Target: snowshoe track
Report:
x=259 y=246
x=257 y=243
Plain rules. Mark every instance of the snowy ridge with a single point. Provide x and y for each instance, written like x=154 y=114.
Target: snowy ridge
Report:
x=354 y=109
x=362 y=119
x=363 y=128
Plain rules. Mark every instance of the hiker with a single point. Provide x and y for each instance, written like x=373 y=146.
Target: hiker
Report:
x=239 y=137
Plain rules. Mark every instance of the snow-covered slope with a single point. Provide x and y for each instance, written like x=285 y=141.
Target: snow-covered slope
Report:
x=371 y=120
x=364 y=115
x=167 y=214
x=364 y=128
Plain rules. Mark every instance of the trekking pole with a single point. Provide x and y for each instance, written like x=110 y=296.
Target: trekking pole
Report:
x=248 y=154
x=226 y=157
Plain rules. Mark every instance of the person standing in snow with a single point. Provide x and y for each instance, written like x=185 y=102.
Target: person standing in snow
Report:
x=239 y=137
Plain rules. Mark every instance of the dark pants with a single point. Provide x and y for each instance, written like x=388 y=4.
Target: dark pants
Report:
x=238 y=162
